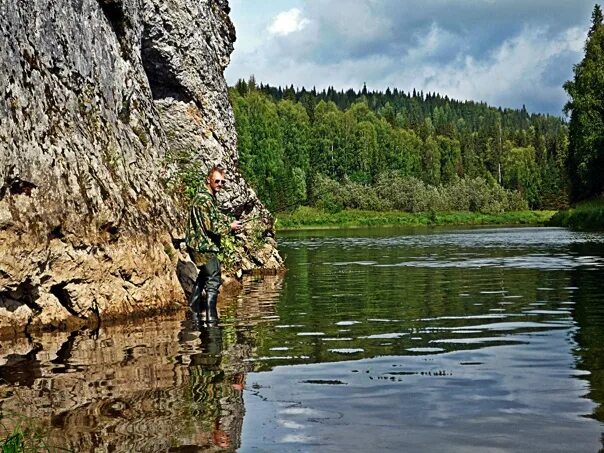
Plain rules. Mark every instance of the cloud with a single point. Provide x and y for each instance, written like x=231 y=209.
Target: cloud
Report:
x=525 y=69
x=287 y=22
x=504 y=52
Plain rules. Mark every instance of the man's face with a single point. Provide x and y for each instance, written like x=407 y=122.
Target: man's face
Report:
x=216 y=181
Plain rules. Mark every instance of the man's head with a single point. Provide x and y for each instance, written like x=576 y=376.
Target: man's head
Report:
x=216 y=179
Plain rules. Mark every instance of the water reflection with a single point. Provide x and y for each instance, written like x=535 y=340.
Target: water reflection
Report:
x=479 y=339
x=588 y=289
x=216 y=383
x=437 y=337
x=152 y=385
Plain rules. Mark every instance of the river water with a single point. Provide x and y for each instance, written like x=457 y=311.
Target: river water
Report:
x=375 y=339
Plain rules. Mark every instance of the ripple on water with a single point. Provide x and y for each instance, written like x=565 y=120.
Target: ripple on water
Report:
x=282 y=357
x=508 y=326
x=425 y=349
x=493 y=316
x=548 y=312
x=478 y=340
x=385 y=336
x=346 y=350
x=516 y=262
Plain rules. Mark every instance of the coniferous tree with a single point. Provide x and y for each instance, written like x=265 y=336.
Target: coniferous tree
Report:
x=586 y=108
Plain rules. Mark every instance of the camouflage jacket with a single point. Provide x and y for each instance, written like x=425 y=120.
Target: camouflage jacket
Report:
x=206 y=224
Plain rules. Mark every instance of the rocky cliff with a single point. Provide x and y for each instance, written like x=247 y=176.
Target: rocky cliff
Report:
x=97 y=96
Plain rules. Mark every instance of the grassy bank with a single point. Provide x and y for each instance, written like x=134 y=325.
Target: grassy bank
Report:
x=305 y=217
x=588 y=215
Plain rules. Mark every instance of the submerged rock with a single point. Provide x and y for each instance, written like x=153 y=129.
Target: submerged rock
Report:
x=96 y=96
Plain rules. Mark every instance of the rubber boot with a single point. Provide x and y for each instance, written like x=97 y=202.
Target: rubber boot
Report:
x=210 y=308
x=195 y=306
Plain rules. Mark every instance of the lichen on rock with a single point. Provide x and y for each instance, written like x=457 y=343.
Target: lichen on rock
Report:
x=96 y=96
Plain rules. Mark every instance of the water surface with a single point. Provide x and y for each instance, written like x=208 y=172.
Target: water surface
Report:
x=379 y=339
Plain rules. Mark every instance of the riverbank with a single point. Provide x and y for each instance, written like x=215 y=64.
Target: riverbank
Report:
x=305 y=217
x=588 y=215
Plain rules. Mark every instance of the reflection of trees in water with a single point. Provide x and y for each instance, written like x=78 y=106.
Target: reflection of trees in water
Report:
x=155 y=385
x=589 y=316
x=332 y=284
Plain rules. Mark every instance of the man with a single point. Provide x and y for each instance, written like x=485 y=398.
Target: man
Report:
x=205 y=229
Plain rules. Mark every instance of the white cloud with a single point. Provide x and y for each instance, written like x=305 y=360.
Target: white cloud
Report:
x=505 y=53
x=287 y=22
x=515 y=73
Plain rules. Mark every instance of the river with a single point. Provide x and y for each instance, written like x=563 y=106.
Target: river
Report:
x=443 y=339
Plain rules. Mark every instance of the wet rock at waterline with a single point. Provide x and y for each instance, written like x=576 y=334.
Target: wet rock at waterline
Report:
x=96 y=95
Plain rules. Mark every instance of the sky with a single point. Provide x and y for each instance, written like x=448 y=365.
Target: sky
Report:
x=507 y=53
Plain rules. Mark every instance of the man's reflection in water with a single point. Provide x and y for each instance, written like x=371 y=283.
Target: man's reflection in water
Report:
x=216 y=383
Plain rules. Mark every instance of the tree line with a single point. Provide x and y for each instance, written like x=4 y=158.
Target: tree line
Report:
x=365 y=148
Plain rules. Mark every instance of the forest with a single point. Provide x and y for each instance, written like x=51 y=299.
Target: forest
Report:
x=420 y=152
x=337 y=149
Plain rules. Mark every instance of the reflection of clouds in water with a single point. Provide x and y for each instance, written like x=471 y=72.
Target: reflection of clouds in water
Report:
x=426 y=349
x=477 y=340
x=501 y=326
x=385 y=336
x=559 y=262
x=346 y=350
x=421 y=398
x=544 y=248
x=489 y=238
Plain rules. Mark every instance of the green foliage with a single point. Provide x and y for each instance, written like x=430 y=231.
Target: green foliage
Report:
x=187 y=175
x=588 y=215
x=522 y=173
x=287 y=138
x=23 y=437
x=586 y=107
x=229 y=255
x=392 y=191
x=14 y=443
x=307 y=217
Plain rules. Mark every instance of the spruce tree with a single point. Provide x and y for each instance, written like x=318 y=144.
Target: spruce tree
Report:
x=585 y=162
x=596 y=19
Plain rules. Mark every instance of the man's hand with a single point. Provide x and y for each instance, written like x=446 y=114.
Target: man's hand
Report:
x=236 y=226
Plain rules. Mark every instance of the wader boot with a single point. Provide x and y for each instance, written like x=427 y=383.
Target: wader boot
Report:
x=211 y=272
x=196 y=301
x=210 y=308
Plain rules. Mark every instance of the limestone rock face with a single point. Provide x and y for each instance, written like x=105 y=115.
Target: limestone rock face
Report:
x=95 y=96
